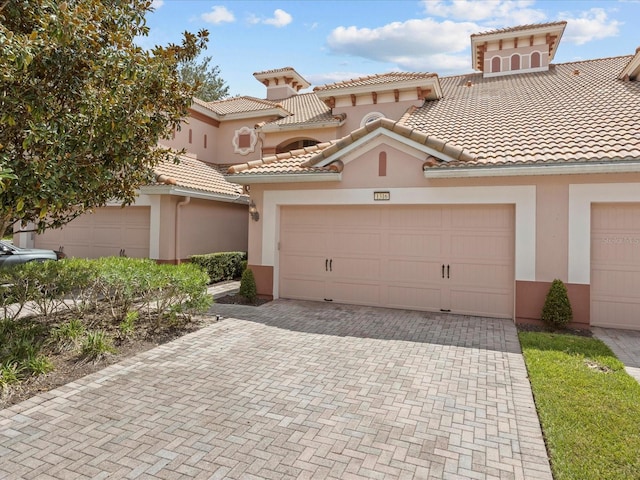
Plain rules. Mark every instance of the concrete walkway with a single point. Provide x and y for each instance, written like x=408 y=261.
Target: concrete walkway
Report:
x=294 y=390
x=625 y=344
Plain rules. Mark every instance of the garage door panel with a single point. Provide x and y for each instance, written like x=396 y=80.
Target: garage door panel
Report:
x=415 y=244
x=356 y=293
x=357 y=243
x=302 y=289
x=413 y=297
x=352 y=268
x=415 y=218
x=482 y=302
x=413 y=271
x=489 y=249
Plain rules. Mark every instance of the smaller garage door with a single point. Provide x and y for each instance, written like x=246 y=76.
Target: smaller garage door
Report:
x=103 y=233
x=615 y=265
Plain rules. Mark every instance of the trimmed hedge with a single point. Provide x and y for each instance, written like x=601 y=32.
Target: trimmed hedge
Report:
x=221 y=266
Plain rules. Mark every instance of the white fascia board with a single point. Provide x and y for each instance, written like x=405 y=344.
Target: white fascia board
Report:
x=204 y=111
x=632 y=69
x=383 y=131
x=193 y=193
x=518 y=171
x=285 y=178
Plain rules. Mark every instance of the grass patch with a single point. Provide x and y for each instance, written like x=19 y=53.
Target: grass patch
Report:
x=588 y=405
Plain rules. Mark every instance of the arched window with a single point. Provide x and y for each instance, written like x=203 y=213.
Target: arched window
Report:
x=495 y=64
x=515 y=62
x=370 y=117
x=535 y=59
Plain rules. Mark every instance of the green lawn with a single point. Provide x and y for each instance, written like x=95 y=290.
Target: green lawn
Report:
x=588 y=405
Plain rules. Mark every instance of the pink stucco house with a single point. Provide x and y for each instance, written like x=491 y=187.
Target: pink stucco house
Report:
x=466 y=194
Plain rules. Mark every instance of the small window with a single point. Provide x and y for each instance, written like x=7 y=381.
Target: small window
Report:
x=535 y=60
x=190 y=136
x=370 y=117
x=205 y=140
x=515 y=62
x=495 y=64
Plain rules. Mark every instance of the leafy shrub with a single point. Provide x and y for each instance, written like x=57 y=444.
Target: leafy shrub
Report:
x=127 y=326
x=20 y=347
x=221 y=266
x=557 y=312
x=248 y=286
x=67 y=336
x=96 y=346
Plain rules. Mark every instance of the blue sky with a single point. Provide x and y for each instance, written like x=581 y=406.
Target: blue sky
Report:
x=328 y=41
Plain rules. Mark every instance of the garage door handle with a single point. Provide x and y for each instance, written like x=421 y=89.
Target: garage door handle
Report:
x=331 y=265
x=443 y=270
x=447 y=271
x=326 y=264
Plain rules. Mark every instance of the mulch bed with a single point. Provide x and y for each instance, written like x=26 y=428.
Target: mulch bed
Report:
x=240 y=300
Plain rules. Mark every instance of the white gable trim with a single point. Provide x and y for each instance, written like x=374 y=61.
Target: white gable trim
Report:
x=523 y=197
x=362 y=143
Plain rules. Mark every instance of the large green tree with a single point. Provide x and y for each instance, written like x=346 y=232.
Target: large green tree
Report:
x=82 y=106
x=206 y=78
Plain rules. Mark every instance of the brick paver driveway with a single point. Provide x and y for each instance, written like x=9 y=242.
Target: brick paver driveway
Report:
x=294 y=390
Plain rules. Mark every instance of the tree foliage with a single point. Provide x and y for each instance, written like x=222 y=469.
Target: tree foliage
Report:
x=206 y=79
x=82 y=106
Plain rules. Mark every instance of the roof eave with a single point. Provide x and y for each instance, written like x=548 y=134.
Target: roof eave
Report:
x=402 y=85
x=193 y=193
x=254 y=114
x=532 y=170
x=249 y=179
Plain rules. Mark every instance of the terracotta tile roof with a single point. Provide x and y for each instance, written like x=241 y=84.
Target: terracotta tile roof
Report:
x=195 y=174
x=519 y=28
x=239 y=105
x=380 y=79
x=282 y=163
x=306 y=160
x=574 y=112
x=307 y=110
x=275 y=71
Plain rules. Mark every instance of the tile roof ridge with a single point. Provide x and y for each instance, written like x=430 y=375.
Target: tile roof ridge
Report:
x=519 y=27
x=241 y=97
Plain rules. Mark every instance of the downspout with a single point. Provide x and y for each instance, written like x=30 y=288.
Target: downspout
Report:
x=176 y=242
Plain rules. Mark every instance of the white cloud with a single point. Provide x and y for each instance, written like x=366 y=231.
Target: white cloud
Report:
x=280 y=19
x=156 y=4
x=218 y=14
x=592 y=24
x=415 y=44
x=501 y=13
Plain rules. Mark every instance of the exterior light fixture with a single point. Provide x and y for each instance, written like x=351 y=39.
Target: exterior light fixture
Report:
x=253 y=211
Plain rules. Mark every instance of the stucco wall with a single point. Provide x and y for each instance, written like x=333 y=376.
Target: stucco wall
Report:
x=191 y=137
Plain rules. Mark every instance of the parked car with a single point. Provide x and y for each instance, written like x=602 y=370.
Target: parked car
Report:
x=11 y=255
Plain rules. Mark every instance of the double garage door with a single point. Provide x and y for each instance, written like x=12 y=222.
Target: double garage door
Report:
x=457 y=259
x=103 y=233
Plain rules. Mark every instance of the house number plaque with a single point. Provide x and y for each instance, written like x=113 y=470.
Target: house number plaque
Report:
x=381 y=196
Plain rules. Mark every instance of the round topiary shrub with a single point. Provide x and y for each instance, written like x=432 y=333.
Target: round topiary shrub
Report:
x=557 y=312
x=248 y=286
